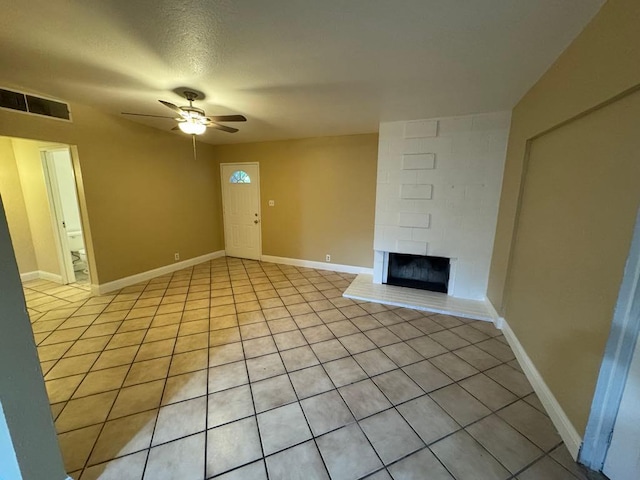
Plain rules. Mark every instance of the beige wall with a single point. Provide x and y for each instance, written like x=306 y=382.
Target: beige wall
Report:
x=564 y=331
x=324 y=192
x=16 y=211
x=36 y=200
x=144 y=196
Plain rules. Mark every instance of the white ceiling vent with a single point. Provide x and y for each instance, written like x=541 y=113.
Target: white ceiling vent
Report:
x=23 y=102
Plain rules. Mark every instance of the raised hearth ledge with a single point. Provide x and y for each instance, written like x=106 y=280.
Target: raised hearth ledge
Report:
x=363 y=288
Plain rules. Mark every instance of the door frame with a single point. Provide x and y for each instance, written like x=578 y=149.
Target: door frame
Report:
x=616 y=362
x=224 y=216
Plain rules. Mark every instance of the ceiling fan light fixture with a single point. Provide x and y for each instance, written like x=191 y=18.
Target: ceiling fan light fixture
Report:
x=192 y=127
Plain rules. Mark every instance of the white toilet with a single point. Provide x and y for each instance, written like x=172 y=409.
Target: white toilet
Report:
x=78 y=252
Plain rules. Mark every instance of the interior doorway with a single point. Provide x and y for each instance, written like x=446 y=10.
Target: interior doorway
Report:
x=40 y=194
x=61 y=186
x=241 y=209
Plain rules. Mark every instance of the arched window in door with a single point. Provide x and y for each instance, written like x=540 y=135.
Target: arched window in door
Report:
x=239 y=176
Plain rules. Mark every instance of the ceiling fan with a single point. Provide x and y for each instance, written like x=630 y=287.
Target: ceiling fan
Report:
x=193 y=120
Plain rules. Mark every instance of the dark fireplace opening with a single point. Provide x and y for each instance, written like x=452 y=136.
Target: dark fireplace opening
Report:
x=417 y=271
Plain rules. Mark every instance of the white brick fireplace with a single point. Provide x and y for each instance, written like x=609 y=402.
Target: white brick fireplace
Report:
x=438 y=189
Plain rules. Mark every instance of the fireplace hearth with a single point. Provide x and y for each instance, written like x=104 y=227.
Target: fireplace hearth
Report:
x=418 y=271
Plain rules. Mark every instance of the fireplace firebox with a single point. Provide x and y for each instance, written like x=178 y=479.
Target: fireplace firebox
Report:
x=417 y=271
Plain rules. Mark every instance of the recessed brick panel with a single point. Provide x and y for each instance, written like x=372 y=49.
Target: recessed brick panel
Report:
x=419 y=161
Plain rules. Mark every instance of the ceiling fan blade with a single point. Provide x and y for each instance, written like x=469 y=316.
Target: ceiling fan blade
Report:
x=228 y=118
x=173 y=107
x=145 y=115
x=224 y=128
x=176 y=128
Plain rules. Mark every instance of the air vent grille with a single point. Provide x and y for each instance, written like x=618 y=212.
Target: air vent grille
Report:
x=32 y=104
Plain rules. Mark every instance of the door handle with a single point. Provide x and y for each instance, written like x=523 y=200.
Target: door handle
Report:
x=256 y=221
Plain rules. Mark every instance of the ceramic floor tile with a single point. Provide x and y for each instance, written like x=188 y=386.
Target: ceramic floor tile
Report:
x=227 y=376
x=329 y=350
x=511 y=379
x=279 y=316
x=282 y=427
x=188 y=362
x=397 y=386
x=402 y=354
x=290 y=339
x=374 y=362
x=145 y=396
x=511 y=448
x=467 y=460
x=310 y=381
x=391 y=437
x=428 y=419
x=357 y=343
x=453 y=366
x=225 y=354
x=85 y=411
x=459 y=404
x=231 y=446
x=253 y=471
x=427 y=376
x=180 y=419
x=548 y=469
x=265 y=367
x=76 y=446
x=487 y=391
x=344 y=371
x=532 y=424
x=131 y=466
x=273 y=392
x=364 y=399
x=258 y=347
x=326 y=412
x=124 y=436
x=148 y=371
x=229 y=405
x=302 y=462
x=185 y=387
x=183 y=459
x=426 y=347
x=415 y=465
x=496 y=349
x=102 y=381
x=348 y=454
x=382 y=336
x=563 y=457
x=62 y=389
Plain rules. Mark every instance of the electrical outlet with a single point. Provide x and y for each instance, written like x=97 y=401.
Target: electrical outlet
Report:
x=176 y=256
x=272 y=203
x=327 y=258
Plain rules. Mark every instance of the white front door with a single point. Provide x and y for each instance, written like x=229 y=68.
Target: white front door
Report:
x=623 y=457
x=241 y=208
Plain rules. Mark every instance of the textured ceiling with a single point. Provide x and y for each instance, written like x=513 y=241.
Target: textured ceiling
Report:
x=294 y=68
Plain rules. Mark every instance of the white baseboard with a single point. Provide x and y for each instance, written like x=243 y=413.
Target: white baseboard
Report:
x=27 y=276
x=498 y=321
x=40 y=275
x=567 y=431
x=336 y=267
x=103 y=288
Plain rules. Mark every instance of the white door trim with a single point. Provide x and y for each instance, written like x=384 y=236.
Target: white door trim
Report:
x=616 y=363
x=65 y=261
x=224 y=218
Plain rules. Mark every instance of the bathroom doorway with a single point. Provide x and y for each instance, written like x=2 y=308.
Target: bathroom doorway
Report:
x=44 y=208
x=61 y=187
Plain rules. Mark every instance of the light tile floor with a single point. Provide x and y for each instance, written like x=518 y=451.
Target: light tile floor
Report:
x=244 y=370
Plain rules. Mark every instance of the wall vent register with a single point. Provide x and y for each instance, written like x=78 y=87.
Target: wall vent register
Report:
x=23 y=102
x=418 y=271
